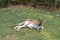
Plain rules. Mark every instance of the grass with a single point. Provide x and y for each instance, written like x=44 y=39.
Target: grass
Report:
x=10 y=17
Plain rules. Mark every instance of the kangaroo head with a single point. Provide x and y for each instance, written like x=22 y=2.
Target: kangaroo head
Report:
x=40 y=22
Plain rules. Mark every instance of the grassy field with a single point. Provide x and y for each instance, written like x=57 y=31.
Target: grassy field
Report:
x=10 y=17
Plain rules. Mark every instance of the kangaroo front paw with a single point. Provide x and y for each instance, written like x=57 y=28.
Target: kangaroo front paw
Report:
x=42 y=27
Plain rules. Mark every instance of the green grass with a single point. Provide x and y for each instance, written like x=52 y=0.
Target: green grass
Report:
x=10 y=17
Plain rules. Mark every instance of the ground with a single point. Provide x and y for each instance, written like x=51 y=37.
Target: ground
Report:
x=11 y=16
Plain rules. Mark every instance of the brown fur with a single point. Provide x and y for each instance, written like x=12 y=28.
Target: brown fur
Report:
x=33 y=21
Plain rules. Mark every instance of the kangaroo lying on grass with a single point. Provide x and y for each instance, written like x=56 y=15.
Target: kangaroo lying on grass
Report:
x=30 y=23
